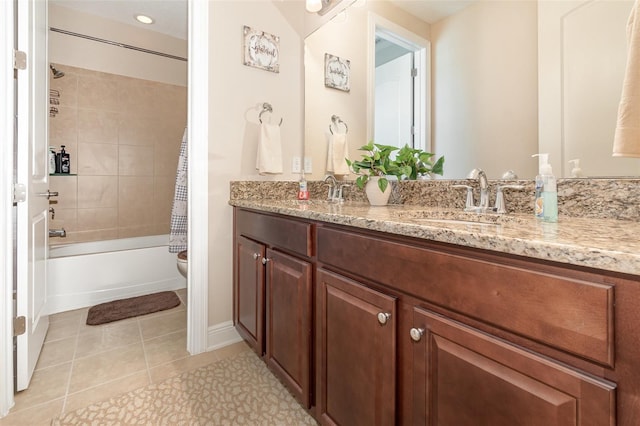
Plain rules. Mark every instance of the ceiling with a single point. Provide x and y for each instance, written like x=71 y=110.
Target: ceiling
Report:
x=170 y=16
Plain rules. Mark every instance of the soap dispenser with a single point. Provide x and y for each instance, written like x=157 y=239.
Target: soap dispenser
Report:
x=546 y=203
x=576 y=171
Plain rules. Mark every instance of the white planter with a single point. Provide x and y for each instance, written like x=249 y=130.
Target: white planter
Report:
x=375 y=196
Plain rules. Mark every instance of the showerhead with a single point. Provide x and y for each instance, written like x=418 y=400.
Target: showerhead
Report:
x=56 y=73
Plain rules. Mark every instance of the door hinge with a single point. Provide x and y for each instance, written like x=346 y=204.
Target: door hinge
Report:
x=19 y=193
x=19 y=60
x=19 y=326
x=414 y=72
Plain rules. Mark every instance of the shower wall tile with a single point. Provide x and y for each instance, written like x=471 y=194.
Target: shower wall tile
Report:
x=135 y=201
x=97 y=93
x=96 y=219
x=97 y=191
x=97 y=126
x=123 y=135
x=97 y=159
x=135 y=160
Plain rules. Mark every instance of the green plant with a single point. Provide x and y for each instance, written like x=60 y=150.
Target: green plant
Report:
x=413 y=162
x=376 y=161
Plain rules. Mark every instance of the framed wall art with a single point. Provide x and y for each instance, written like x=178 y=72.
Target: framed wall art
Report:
x=261 y=50
x=337 y=72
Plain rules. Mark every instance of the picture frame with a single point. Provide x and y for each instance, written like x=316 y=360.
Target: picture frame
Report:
x=337 y=72
x=261 y=49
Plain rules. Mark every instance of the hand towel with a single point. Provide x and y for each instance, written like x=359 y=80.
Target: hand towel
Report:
x=337 y=151
x=626 y=142
x=178 y=225
x=269 y=159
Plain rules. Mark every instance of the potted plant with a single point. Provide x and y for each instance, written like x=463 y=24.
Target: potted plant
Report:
x=413 y=163
x=372 y=168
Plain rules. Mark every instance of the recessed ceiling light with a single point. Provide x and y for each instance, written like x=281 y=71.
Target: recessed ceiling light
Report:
x=144 y=19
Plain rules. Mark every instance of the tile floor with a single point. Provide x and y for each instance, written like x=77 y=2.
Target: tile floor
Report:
x=82 y=364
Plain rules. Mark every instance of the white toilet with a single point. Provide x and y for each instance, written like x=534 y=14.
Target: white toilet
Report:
x=182 y=263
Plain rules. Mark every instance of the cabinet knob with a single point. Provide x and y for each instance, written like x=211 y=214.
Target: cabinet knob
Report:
x=256 y=256
x=416 y=334
x=383 y=317
x=265 y=260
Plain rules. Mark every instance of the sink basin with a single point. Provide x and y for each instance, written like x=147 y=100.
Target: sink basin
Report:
x=455 y=217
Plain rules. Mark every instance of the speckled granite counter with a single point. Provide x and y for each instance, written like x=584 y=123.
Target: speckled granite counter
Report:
x=606 y=244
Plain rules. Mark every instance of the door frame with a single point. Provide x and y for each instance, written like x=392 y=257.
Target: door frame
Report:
x=198 y=145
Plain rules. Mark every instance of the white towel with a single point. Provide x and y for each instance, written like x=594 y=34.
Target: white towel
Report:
x=337 y=151
x=269 y=158
x=626 y=142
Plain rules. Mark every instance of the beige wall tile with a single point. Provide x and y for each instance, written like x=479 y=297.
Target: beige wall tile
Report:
x=97 y=191
x=98 y=126
x=67 y=189
x=66 y=86
x=97 y=93
x=166 y=160
x=139 y=130
x=85 y=236
x=163 y=192
x=135 y=203
x=97 y=219
x=138 y=231
x=64 y=218
x=97 y=159
x=63 y=128
x=138 y=96
x=135 y=160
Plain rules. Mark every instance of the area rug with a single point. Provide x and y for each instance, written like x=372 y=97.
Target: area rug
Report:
x=132 y=307
x=239 y=390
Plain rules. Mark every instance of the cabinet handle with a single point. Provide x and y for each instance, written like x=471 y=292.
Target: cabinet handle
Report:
x=265 y=260
x=416 y=334
x=383 y=317
x=256 y=256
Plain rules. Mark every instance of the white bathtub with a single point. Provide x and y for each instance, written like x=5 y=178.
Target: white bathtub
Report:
x=84 y=274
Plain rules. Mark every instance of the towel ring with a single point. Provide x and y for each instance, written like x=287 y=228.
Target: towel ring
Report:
x=337 y=120
x=266 y=107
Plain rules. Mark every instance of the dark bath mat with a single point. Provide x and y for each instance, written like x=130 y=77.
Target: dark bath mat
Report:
x=132 y=307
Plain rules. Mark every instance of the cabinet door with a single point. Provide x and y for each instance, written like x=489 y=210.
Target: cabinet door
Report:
x=249 y=293
x=288 y=322
x=463 y=376
x=356 y=353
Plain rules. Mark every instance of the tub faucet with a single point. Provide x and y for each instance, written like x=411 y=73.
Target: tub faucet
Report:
x=58 y=233
x=484 y=187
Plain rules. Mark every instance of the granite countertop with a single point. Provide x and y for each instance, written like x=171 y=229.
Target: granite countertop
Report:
x=607 y=244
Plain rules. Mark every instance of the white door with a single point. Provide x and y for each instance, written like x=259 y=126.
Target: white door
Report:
x=32 y=171
x=394 y=102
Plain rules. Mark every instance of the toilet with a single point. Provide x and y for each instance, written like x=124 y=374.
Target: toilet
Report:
x=182 y=263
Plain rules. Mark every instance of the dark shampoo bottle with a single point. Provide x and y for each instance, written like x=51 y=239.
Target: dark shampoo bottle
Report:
x=65 y=161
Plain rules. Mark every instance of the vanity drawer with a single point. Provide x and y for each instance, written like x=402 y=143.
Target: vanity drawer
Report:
x=565 y=311
x=276 y=231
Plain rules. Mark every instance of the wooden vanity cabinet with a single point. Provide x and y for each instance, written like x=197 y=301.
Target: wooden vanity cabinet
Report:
x=273 y=293
x=356 y=353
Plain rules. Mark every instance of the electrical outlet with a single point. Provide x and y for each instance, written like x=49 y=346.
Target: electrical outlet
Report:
x=308 y=165
x=296 y=167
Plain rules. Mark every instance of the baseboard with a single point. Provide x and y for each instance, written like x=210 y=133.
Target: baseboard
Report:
x=221 y=335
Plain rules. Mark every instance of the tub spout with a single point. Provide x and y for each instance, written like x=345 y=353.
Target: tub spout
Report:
x=57 y=233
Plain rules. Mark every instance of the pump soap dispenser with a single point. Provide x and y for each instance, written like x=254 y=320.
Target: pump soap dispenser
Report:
x=576 y=171
x=546 y=203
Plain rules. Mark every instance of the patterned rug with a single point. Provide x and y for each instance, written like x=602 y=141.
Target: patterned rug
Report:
x=239 y=390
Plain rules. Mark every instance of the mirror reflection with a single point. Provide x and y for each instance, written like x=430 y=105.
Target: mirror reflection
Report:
x=502 y=80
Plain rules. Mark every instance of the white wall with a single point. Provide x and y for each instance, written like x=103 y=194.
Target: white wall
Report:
x=485 y=89
x=82 y=53
x=236 y=95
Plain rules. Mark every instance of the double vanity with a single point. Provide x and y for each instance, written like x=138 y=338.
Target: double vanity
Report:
x=407 y=314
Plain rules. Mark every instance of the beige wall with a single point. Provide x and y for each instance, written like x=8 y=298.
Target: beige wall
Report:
x=236 y=94
x=484 y=62
x=123 y=135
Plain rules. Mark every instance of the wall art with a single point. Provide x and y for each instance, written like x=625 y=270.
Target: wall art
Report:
x=261 y=50
x=337 y=72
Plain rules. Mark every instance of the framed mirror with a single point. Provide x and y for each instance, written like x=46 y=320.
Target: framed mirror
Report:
x=505 y=79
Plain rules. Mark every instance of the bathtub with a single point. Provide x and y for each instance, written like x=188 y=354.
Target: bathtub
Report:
x=84 y=274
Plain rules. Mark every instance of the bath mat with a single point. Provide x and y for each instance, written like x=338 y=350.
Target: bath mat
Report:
x=132 y=307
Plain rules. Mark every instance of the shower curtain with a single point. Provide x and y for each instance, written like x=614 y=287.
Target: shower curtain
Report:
x=178 y=231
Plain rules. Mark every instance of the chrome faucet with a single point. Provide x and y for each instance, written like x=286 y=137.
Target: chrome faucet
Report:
x=58 y=233
x=484 y=187
x=332 y=183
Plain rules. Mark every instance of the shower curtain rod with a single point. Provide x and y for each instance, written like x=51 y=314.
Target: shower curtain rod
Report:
x=115 y=43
